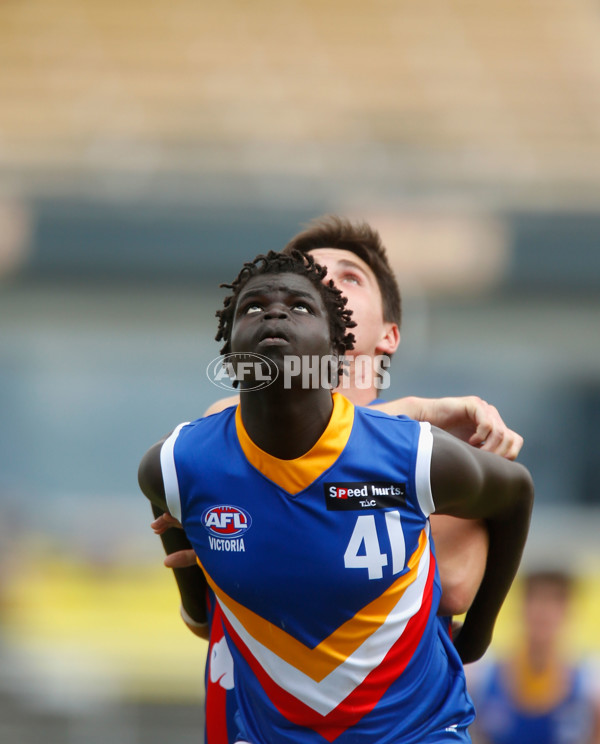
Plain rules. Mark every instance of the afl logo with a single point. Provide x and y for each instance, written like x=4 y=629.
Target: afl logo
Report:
x=255 y=371
x=226 y=521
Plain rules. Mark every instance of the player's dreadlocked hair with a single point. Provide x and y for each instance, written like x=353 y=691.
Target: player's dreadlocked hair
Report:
x=296 y=263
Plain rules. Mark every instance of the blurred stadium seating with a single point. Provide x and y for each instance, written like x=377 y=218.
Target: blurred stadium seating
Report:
x=498 y=96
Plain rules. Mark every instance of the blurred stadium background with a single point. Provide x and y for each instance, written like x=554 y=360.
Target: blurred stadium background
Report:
x=146 y=150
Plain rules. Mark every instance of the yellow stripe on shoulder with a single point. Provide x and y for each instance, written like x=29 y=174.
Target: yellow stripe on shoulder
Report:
x=296 y=475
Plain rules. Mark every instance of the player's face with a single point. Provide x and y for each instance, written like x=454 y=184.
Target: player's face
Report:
x=356 y=280
x=546 y=609
x=278 y=315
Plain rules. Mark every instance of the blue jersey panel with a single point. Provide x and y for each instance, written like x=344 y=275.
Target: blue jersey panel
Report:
x=328 y=594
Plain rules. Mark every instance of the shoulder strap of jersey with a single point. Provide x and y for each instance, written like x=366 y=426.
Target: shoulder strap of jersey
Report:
x=169 y=472
x=423 y=469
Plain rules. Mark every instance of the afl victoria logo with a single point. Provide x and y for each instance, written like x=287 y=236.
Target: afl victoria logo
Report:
x=226 y=521
x=256 y=371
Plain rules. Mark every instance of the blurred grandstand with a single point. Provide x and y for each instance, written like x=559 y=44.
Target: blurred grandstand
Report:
x=146 y=149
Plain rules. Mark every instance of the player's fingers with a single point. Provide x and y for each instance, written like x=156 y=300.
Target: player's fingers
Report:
x=495 y=441
x=163 y=523
x=487 y=422
x=512 y=445
x=181 y=559
x=159 y=526
x=498 y=444
x=495 y=436
x=170 y=520
x=491 y=433
x=505 y=443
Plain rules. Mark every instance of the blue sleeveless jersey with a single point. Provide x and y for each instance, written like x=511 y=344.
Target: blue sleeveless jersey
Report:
x=505 y=719
x=325 y=578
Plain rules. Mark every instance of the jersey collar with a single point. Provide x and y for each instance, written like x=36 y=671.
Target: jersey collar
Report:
x=296 y=475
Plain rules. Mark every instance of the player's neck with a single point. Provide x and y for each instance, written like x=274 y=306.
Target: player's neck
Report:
x=286 y=423
x=359 y=397
x=542 y=655
x=358 y=381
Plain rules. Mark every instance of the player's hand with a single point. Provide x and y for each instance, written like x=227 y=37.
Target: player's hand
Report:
x=474 y=421
x=469 y=418
x=180 y=558
x=165 y=522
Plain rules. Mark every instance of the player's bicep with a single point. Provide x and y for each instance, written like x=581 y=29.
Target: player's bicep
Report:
x=469 y=483
x=150 y=477
x=455 y=477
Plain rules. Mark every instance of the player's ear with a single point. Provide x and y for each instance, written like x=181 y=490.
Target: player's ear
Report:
x=390 y=339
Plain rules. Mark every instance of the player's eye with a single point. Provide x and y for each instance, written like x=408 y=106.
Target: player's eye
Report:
x=351 y=279
x=252 y=308
x=302 y=308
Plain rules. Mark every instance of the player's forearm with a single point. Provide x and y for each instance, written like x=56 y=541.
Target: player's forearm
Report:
x=507 y=537
x=410 y=406
x=190 y=580
x=442 y=412
x=446 y=413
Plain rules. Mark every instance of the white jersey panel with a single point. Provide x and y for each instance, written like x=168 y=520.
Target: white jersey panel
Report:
x=169 y=472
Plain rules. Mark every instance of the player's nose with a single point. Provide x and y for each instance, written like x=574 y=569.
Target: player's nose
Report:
x=276 y=311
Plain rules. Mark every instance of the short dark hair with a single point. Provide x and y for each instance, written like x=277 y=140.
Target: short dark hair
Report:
x=292 y=262
x=331 y=231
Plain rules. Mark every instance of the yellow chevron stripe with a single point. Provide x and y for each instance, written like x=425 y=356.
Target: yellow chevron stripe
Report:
x=321 y=660
x=296 y=475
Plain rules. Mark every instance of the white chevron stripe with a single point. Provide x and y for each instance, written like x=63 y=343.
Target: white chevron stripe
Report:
x=327 y=694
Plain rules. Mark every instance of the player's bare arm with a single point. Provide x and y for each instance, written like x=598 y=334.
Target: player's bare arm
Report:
x=472 y=484
x=461 y=545
x=190 y=579
x=468 y=418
